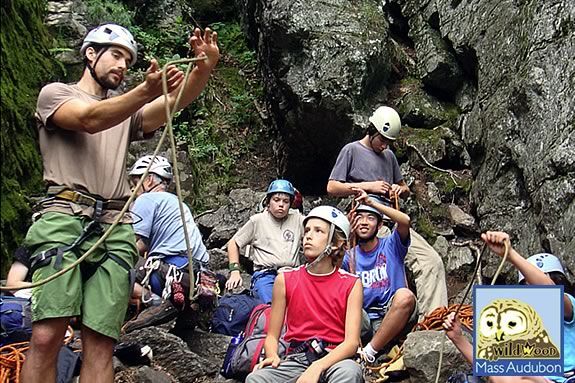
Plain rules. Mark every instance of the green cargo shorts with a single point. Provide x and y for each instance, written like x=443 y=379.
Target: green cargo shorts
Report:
x=101 y=300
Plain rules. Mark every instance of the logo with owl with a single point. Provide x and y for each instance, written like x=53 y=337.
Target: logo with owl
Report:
x=512 y=329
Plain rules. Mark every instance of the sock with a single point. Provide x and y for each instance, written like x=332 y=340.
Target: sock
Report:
x=368 y=350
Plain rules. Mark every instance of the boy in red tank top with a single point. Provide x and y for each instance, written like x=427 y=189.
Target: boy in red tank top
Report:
x=321 y=305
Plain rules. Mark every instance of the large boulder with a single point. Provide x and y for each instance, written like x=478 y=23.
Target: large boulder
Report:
x=421 y=356
x=172 y=354
x=220 y=225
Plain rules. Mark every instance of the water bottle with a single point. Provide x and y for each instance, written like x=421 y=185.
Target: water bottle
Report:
x=226 y=369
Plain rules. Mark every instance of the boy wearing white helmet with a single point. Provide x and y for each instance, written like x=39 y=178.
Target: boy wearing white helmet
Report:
x=539 y=269
x=160 y=237
x=321 y=305
x=84 y=133
x=370 y=165
x=389 y=306
x=274 y=236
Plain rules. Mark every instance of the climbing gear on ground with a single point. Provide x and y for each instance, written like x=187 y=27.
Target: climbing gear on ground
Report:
x=111 y=34
x=281 y=186
x=13 y=355
x=387 y=122
x=152 y=316
x=160 y=167
x=545 y=262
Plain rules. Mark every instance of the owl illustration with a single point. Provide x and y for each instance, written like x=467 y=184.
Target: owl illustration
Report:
x=512 y=329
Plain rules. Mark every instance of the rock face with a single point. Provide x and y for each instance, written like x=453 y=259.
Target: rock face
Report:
x=219 y=226
x=520 y=131
x=495 y=74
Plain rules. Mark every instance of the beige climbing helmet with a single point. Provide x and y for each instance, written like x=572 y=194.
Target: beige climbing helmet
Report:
x=387 y=122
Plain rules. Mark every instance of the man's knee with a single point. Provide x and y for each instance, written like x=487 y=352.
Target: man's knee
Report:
x=404 y=299
x=47 y=335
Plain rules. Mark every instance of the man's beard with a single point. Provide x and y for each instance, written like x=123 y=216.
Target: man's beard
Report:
x=106 y=83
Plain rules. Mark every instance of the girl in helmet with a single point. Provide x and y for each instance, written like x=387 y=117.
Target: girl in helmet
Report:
x=321 y=305
x=539 y=269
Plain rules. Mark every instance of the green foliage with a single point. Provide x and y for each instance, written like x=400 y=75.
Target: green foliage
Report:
x=233 y=42
x=26 y=64
x=108 y=11
x=162 y=44
x=223 y=124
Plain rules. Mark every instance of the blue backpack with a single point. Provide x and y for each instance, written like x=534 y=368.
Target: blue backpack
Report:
x=16 y=320
x=233 y=312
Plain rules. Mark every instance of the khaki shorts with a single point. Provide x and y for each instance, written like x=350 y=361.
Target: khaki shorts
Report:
x=101 y=300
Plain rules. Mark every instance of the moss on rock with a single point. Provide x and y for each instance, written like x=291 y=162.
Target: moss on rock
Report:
x=26 y=63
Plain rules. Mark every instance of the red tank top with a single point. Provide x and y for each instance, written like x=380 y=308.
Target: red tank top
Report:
x=316 y=305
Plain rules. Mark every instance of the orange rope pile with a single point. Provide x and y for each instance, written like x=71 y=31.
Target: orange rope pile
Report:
x=12 y=357
x=434 y=320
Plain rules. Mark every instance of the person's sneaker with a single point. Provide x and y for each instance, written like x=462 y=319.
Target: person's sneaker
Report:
x=152 y=316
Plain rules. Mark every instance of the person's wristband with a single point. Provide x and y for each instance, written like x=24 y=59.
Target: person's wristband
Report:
x=234 y=266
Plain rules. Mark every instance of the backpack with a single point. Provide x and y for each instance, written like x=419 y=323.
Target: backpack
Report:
x=232 y=313
x=247 y=350
x=15 y=319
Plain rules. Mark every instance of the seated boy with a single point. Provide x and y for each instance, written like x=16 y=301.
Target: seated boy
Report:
x=274 y=236
x=389 y=306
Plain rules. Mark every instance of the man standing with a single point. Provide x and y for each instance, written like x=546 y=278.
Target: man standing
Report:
x=84 y=136
x=369 y=165
x=274 y=236
x=389 y=306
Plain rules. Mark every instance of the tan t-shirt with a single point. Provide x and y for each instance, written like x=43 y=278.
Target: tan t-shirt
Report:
x=94 y=163
x=274 y=243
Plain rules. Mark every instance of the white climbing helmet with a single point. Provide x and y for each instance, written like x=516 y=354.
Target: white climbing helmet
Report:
x=332 y=216
x=111 y=34
x=161 y=167
x=545 y=262
x=387 y=122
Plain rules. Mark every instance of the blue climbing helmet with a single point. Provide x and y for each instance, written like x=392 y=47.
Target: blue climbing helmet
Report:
x=545 y=262
x=281 y=186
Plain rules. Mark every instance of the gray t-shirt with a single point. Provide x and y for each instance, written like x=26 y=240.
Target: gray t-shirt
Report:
x=357 y=163
x=94 y=163
x=157 y=218
x=274 y=243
